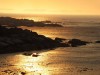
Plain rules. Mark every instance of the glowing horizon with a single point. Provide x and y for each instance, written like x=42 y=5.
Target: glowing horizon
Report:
x=64 y=7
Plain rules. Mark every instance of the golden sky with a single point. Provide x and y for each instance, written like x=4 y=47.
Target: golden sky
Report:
x=68 y=7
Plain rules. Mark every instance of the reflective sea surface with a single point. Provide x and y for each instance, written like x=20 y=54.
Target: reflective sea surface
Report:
x=83 y=60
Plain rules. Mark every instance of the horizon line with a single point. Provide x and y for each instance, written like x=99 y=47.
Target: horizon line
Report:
x=12 y=14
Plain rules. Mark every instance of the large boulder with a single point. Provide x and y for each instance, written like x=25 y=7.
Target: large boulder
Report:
x=76 y=42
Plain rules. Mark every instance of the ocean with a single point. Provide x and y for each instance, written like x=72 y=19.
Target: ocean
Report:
x=83 y=60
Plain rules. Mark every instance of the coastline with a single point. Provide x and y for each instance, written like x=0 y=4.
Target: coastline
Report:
x=82 y=60
x=17 y=39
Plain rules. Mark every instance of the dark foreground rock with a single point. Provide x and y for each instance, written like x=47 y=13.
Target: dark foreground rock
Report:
x=76 y=42
x=17 y=39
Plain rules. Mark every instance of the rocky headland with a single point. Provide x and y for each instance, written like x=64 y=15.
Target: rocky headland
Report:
x=17 y=39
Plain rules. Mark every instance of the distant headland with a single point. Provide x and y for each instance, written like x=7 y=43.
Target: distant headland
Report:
x=13 y=22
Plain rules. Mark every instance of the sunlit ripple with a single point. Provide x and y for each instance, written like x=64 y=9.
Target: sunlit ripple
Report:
x=31 y=64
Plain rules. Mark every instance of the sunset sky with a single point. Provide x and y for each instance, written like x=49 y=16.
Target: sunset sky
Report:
x=66 y=7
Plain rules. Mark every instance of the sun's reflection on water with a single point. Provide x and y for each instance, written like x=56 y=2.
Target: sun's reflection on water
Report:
x=47 y=63
x=33 y=65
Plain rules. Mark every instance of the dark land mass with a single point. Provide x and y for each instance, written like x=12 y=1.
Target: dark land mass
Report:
x=13 y=22
x=18 y=40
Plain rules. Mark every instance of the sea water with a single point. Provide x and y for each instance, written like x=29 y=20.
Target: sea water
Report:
x=83 y=60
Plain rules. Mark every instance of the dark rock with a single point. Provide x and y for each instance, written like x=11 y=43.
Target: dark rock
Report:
x=76 y=42
x=59 y=39
x=19 y=40
x=97 y=41
x=3 y=44
x=64 y=45
x=23 y=73
x=27 y=54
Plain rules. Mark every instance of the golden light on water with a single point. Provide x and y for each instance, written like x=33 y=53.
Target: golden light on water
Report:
x=47 y=63
x=32 y=65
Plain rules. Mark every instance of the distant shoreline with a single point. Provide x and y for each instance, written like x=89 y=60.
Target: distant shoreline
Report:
x=13 y=22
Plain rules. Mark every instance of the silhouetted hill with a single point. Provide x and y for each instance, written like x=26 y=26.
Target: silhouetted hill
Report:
x=13 y=22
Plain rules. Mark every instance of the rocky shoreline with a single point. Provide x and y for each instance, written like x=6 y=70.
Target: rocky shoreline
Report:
x=17 y=39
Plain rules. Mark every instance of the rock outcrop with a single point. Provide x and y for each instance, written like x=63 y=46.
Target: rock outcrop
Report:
x=76 y=42
x=59 y=39
x=17 y=39
x=97 y=41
